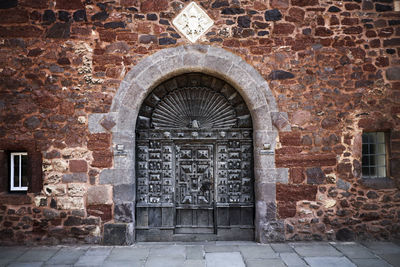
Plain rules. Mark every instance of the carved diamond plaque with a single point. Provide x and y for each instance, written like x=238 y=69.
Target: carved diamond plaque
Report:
x=192 y=22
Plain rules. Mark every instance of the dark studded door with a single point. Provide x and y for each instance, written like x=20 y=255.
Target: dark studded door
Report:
x=194 y=187
x=194 y=163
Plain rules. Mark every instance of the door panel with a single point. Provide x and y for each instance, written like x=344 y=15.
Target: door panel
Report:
x=194 y=188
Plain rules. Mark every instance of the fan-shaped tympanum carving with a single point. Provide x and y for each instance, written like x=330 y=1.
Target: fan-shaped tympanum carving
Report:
x=194 y=107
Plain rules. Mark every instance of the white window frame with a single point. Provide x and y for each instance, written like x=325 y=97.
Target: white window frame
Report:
x=13 y=187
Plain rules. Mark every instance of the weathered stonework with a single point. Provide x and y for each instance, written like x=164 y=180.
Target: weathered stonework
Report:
x=314 y=74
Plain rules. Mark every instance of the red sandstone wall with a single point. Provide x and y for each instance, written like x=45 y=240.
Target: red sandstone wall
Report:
x=64 y=59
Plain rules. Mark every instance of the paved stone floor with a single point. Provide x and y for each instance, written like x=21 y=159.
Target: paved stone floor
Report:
x=225 y=254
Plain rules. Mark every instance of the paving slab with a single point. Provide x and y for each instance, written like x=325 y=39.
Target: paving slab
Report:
x=281 y=247
x=194 y=263
x=128 y=253
x=265 y=263
x=12 y=252
x=241 y=243
x=221 y=248
x=392 y=258
x=382 y=247
x=91 y=260
x=134 y=263
x=258 y=252
x=38 y=254
x=98 y=251
x=162 y=261
x=66 y=256
x=315 y=249
x=194 y=252
x=371 y=263
x=25 y=264
x=168 y=251
x=4 y=262
x=218 y=259
x=292 y=259
x=57 y=265
x=329 y=262
x=354 y=250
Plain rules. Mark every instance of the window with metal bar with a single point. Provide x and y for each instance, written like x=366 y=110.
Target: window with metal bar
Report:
x=374 y=155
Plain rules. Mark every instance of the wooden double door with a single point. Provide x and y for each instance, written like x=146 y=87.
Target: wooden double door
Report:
x=194 y=190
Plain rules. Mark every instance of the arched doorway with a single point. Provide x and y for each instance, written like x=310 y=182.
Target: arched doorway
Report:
x=194 y=162
x=140 y=82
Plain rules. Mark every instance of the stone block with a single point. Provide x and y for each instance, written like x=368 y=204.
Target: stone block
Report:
x=99 y=141
x=152 y=74
x=50 y=214
x=59 y=30
x=59 y=165
x=262 y=118
x=55 y=190
x=265 y=191
x=295 y=192
x=264 y=161
x=282 y=175
x=172 y=64
x=78 y=166
x=118 y=234
x=222 y=65
x=286 y=209
x=70 y=203
x=297 y=175
x=69 y=4
x=280 y=121
x=315 y=176
x=305 y=160
x=116 y=177
x=102 y=159
x=343 y=184
x=75 y=177
x=103 y=211
x=265 y=175
x=273 y=231
x=73 y=221
x=94 y=123
x=128 y=113
x=262 y=137
x=242 y=79
x=99 y=194
x=290 y=138
x=76 y=189
x=124 y=162
x=124 y=193
x=124 y=212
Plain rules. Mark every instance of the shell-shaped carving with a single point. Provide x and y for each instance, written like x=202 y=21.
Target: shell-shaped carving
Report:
x=194 y=107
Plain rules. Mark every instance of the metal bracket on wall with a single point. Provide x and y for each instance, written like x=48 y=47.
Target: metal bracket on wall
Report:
x=266 y=152
x=121 y=152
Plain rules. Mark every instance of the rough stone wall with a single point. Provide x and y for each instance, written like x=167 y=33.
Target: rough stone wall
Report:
x=333 y=66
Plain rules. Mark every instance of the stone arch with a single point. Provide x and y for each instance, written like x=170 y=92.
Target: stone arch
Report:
x=159 y=67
